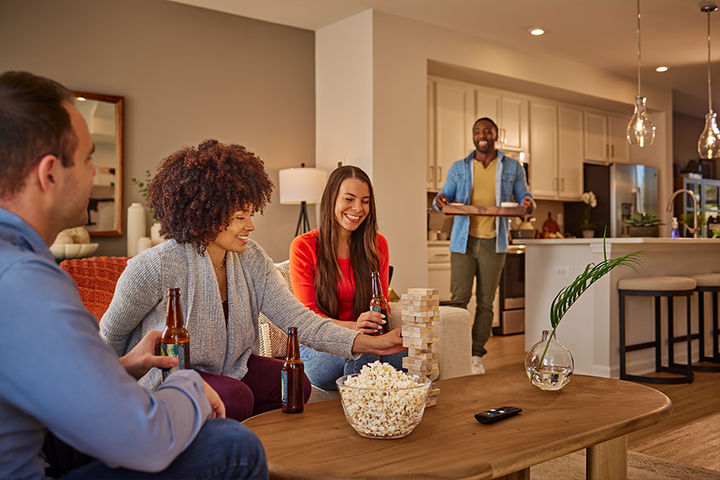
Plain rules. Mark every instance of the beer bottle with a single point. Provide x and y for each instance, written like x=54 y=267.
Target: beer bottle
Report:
x=378 y=303
x=175 y=340
x=292 y=378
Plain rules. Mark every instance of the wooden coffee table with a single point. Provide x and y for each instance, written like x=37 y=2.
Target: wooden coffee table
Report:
x=590 y=412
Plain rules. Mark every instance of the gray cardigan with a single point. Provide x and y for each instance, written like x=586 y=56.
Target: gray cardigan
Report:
x=254 y=286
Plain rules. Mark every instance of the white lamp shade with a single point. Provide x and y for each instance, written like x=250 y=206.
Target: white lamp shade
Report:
x=301 y=185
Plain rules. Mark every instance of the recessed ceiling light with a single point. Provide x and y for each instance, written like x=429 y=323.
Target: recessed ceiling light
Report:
x=661 y=69
x=537 y=31
x=81 y=99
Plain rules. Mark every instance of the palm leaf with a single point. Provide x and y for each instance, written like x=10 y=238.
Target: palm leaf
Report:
x=592 y=273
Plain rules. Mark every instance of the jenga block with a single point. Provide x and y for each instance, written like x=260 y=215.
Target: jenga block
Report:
x=419 y=308
x=410 y=319
x=431 y=402
x=419 y=298
x=417 y=364
x=419 y=331
x=434 y=390
x=423 y=355
x=421 y=303
x=422 y=291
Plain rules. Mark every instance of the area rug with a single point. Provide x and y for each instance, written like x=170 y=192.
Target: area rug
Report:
x=640 y=467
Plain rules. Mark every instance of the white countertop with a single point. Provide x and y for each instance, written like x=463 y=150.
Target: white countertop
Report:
x=618 y=240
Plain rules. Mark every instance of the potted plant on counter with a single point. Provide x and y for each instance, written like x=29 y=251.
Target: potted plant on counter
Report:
x=586 y=225
x=641 y=224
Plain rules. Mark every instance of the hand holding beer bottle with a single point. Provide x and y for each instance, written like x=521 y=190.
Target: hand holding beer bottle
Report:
x=175 y=339
x=378 y=303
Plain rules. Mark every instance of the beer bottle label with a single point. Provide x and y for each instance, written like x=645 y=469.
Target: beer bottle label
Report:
x=177 y=350
x=283 y=387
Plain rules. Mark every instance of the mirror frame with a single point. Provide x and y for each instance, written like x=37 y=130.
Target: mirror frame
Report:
x=119 y=103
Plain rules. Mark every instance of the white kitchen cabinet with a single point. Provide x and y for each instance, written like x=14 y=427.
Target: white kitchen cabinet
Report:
x=430 y=135
x=596 y=137
x=513 y=124
x=449 y=132
x=570 y=150
x=509 y=113
x=556 y=149
x=544 y=182
x=619 y=147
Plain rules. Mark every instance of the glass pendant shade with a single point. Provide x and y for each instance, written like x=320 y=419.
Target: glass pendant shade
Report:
x=640 y=130
x=709 y=143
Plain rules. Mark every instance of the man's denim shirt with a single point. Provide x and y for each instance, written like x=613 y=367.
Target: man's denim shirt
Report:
x=510 y=185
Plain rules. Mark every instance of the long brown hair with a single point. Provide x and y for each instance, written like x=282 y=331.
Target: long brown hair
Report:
x=363 y=247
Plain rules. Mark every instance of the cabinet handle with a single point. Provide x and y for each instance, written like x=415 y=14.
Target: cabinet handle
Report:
x=439 y=174
x=431 y=171
x=504 y=136
x=555 y=183
x=612 y=151
x=562 y=184
x=607 y=150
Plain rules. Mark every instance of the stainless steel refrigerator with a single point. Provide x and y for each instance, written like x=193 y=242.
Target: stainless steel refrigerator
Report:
x=621 y=190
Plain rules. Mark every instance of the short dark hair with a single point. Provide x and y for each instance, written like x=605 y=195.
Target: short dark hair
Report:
x=33 y=123
x=487 y=119
x=197 y=189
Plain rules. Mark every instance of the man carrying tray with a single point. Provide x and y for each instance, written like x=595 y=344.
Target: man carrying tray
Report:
x=478 y=244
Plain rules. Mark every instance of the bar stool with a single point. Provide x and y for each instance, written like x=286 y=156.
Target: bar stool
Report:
x=710 y=283
x=658 y=287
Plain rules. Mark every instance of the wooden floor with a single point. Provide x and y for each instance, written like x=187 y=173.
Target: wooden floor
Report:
x=691 y=434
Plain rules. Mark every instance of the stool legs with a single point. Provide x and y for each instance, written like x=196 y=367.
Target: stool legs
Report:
x=684 y=372
x=715 y=358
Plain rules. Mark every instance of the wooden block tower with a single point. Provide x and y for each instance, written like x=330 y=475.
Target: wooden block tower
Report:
x=420 y=330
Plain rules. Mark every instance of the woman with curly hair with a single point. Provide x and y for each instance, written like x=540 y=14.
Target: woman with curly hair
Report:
x=205 y=198
x=330 y=271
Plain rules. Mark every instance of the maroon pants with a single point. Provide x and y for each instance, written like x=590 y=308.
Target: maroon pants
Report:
x=257 y=392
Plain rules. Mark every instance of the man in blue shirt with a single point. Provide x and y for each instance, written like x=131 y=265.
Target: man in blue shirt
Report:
x=55 y=372
x=478 y=244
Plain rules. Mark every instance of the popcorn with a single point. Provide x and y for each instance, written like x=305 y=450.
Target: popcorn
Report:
x=382 y=402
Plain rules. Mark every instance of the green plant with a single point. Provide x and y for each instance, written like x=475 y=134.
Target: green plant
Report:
x=592 y=273
x=687 y=220
x=642 y=219
x=143 y=188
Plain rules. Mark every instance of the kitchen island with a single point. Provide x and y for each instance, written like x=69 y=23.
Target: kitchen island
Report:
x=590 y=327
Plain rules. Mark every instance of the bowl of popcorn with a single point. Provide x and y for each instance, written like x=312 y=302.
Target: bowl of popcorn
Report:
x=381 y=402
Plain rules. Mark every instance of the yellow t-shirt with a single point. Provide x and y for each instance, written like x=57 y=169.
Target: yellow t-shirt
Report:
x=483 y=194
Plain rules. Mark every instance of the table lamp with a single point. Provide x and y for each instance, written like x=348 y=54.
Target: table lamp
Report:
x=300 y=186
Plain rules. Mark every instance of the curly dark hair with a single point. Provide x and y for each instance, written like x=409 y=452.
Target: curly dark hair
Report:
x=196 y=190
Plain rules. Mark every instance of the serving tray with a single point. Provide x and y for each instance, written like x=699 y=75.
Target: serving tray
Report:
x=452 y=209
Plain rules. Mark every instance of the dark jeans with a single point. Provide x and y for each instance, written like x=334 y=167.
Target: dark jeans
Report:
x=482 y=263
x=223 y=449
x=257 y=392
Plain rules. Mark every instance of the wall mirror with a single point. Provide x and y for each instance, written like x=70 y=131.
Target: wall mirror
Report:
x=104 y=117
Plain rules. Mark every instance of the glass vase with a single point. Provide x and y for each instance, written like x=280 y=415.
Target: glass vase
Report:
x=549 y=364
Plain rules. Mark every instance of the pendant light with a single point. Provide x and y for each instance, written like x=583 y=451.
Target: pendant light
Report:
x=709 y=142
x=640 y=130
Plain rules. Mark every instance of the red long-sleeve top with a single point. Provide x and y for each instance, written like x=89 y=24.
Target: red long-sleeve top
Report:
x=303 y=268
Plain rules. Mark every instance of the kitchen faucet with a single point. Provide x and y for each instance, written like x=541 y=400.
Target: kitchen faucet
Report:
x=695 y=229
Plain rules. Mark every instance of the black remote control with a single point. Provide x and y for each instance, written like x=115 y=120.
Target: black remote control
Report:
x=496 y=414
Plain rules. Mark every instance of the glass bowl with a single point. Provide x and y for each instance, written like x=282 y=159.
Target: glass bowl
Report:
x=385 y=413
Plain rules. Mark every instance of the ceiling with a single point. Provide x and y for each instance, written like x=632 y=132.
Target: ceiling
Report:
x=601 y=33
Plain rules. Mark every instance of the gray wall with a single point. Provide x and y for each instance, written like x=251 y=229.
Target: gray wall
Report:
x=187 y=74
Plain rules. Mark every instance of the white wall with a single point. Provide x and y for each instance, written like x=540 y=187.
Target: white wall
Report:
x=187 y=74
x=401 y=51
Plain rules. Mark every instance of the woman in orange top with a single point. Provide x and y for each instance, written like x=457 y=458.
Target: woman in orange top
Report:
x=330 y=271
